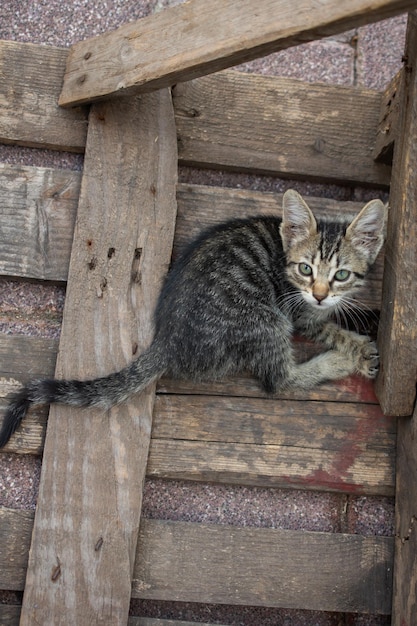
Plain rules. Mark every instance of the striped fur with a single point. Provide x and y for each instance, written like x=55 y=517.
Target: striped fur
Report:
x=232 y=302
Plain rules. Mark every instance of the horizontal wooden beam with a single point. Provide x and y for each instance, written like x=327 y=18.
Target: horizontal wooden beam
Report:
x=31 y=79
x=315 y=445
x=38 y=207
x=238 y=566
x=292 y=133
x=199 y=37
x=307 y=441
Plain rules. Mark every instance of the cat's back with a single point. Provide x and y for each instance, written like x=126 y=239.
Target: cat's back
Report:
x=240 y=256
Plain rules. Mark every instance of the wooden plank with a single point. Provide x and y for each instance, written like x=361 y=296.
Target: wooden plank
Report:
x=31 y=79
x=9 y=615
x=39 y=205
x=264 y=567
x=212 y=563
x=88 y=511
x=388 y=124
x=297 y=141
x=199 y=37
x=38 y=209
x=290 y=135
x=15 y=532
x=331 y=446
x=396 y=383
x=344 y=445
x=404 y=608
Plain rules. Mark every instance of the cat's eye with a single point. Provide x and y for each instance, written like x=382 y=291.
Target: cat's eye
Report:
x=342 y=275
x=305 y=269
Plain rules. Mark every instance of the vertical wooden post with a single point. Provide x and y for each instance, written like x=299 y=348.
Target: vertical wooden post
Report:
x=87 y=519
x=397 y=337
x=404 y=607
x=396 y=384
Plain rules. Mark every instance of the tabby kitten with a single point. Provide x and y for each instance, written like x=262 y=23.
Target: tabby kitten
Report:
x=233 y=301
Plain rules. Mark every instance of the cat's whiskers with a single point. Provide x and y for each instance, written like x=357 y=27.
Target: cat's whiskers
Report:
x=356 y=312
x=291 y=302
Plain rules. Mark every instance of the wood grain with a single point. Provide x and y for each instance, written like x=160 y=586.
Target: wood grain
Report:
x=199 y=37
x=31 y=79
x=309 y=445
x=264 y=567
x=333 y=439
x=388 y=123
x=397 y=337
x=297 y=129
x=213 y=563
x=88 y=511
x=38 y=209
x=291 y=134
x=404 y=608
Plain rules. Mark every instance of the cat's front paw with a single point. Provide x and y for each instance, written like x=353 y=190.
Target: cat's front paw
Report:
x=368 y=359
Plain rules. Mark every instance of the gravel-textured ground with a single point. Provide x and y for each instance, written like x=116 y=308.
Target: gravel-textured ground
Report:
x=368 y=56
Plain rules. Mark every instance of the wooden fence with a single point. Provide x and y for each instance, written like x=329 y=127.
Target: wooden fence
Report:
x=108 y=233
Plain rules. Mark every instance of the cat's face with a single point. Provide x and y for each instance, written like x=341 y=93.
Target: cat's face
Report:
x=324 y=276
x=327 y=261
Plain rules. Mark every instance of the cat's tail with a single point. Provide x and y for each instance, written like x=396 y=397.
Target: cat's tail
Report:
x=101 y=392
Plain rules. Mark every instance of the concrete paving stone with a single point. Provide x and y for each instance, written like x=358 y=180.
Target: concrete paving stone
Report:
x=325 y=61
x=19 y=481
x=380 y=50
x=371 y=515
x=33 y=309
x=242 y=506
x=225 y=615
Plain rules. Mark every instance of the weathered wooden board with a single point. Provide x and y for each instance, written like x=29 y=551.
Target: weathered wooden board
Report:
x=9 y=615
x=199 y=37
x=396 y=383
x=251 y=566
x=333 y=446
x=291 y=133
x=264 y=567
x=333 y=438
x=404 y=608
x=15 y=532
x=388 y=123
x=39 y=207
x=31 y=79
x=88 y=511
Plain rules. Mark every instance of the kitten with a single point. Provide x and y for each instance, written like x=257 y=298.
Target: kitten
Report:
x=233 y=301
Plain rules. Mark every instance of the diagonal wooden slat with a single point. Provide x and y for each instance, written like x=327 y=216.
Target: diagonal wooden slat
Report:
x=87 y=518
x=200 y=37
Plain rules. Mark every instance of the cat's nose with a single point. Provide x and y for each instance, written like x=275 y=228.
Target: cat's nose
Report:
x=320 y=291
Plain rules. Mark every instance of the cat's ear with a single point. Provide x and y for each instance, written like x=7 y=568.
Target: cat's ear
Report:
x=367 y=231
x=298 y=222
